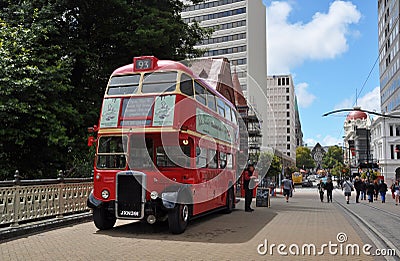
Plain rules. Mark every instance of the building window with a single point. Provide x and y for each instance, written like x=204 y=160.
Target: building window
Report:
x=225 y=51
x=210 y=4
x=215 y=15
x=288 y=146
x=279 y=81
x=288 y=130
x=287 y=90
x=397 y=150
x=287 y=80
x=392 y=151
x=287 y=98
x=397 y=131
x=287 y=114
x=287 y=122
x=288 y=154
x=391 y=130
x=288 y=138
x=287 y=106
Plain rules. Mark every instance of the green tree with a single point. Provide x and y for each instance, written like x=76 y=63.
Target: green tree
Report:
x=34 y=76
x=269 y=164
x=333 y=157
x=338 y=169
x=56 y=59
x=304 y=159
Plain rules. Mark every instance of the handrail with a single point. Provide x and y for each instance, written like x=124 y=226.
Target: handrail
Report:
x=24 y=201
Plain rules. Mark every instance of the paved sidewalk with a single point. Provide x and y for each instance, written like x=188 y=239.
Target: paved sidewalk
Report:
x=217 y=237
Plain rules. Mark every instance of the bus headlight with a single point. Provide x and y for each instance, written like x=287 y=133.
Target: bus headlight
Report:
x=105 y=194
x=154 y=195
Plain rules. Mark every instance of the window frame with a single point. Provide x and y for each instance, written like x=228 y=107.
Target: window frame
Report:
x=180 y=84
x=200 y=95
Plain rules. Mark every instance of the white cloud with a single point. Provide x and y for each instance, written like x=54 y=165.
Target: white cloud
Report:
x=324 y=37
x=330 y=141
x=304 y=98
x=371 y=101
x=310 y=142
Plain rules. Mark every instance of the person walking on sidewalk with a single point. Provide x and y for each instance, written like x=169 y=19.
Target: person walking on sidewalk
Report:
x=348 y=187
x=396 y=189
x=363 y=190
x=287 y=185
x=248 y=188
x=382 y=190
x=376 y=189
x=370 y=192
x=329 y=189
x=321 y=190
x=358 y=187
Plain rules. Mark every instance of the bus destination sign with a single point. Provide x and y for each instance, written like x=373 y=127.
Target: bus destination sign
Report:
x=144 y=63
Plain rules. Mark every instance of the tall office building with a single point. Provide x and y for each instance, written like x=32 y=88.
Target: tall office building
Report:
x=384 y=143
x=298 y=130
x=389 y=58
x=240 y=36
x=282 y=128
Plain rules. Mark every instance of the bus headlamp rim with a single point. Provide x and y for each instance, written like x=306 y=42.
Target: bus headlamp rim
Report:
x=154 y=195
x=105 y=194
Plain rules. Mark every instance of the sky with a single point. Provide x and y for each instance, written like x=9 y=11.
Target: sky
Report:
x=330 y=48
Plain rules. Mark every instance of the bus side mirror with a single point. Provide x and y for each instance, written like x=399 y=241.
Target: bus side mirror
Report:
x=91 y=140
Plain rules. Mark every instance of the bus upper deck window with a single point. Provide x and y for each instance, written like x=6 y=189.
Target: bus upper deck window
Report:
x=211 y=101
x=221 y=107
x=228 y=112
x=125 y=84
x=187 y=85
x=159 y=82
x=234 y=117
x=200 y=93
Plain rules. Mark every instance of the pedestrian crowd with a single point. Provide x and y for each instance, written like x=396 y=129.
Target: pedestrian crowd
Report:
x=370 y=190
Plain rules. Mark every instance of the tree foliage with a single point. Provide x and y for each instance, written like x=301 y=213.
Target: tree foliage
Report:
x=56 y=59
x=333 y=157
x=269 y=164
x=34 y=76
x=304 y=159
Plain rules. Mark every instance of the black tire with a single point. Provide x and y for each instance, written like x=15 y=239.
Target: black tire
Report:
x=229 y=201
x=178 y=218
x=103 y=220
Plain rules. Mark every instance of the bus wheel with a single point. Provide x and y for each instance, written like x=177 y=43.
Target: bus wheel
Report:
x=229 y=201
x=103 y=219
x=178 y=219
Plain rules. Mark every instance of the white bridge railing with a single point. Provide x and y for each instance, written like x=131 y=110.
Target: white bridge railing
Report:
x=25 y=201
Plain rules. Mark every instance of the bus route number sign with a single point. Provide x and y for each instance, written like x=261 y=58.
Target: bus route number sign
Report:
x=143 y=64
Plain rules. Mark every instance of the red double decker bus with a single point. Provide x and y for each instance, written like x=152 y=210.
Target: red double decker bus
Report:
x=167 y=147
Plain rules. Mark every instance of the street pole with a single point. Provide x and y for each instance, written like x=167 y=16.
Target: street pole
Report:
x=367 y=133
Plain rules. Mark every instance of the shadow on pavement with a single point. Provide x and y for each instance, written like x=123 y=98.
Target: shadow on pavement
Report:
x=237 y=227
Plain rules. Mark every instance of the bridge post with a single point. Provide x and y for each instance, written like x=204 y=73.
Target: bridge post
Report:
x=61 y=194
x=16 y=203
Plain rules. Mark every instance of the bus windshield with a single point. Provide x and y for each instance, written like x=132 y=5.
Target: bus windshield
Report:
x=125 y=84
x=159 y=82
x=111 y=153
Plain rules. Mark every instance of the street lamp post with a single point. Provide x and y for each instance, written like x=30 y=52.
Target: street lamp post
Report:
x=383 y=115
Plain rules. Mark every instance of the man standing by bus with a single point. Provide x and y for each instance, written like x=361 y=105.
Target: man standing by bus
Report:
x=248 y=187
